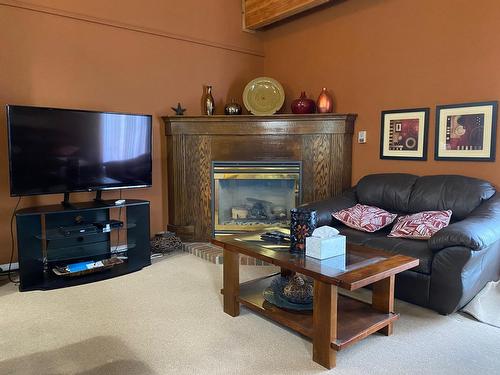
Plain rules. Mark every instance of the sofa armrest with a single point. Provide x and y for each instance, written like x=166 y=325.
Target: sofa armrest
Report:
x=326 y=207
x=476 y=232
x=459 y=273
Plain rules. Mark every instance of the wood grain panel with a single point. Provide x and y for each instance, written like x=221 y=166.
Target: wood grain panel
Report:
x=282 y=124
x=347 y=162
x=340 y=173
x=204 y=215
x=179 y=178
x=256 y=147
x=337 y=169
x=197 y=185
x=258 y=13
x=316 y=167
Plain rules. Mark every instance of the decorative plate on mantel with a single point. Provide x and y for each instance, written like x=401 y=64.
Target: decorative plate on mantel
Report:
x=263 y=96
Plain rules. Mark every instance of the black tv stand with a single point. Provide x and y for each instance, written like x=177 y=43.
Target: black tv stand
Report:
x=66 y=203
x=98 y=197
x=43 y=246
x=106 y=203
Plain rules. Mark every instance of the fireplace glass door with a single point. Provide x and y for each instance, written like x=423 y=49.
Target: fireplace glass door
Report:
x=252 y=196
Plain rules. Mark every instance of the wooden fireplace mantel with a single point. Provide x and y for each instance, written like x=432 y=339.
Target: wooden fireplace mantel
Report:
x=322 y=142
x=254 y=125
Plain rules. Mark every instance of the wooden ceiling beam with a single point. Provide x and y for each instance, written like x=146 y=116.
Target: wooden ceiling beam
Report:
x=260 y=13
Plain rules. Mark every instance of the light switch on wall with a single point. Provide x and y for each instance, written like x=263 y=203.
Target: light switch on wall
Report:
x=362 y=136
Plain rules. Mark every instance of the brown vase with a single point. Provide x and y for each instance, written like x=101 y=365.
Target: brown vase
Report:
x=324 y=102
x=303 y=105
x=208 y=103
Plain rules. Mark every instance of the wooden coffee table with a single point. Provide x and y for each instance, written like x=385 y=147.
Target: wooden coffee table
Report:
x=336 y=320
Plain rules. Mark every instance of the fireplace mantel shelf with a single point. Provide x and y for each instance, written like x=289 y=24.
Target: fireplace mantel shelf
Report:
x=329 y=123
x=321 y=142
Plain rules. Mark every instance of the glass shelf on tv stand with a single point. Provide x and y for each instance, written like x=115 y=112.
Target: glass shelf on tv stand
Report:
x=55 y=233
x=91 y=254
x=97 y=256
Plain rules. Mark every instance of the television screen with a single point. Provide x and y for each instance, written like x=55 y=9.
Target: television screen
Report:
x=61 y=150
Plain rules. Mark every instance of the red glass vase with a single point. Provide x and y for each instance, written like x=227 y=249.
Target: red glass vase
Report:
x=303 y=105
x=324 y=102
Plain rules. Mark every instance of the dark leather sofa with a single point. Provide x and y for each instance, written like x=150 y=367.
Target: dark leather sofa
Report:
x=457 y=261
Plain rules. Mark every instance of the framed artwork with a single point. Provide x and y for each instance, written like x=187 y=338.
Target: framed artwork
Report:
x=466 y=132
x=404 y=134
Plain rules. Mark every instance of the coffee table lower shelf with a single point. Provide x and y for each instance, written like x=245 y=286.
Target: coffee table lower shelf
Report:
x=355 y=319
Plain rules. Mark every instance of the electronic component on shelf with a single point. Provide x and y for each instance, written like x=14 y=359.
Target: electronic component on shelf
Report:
x=108 y=226
x=84 y=268
x=77 y=229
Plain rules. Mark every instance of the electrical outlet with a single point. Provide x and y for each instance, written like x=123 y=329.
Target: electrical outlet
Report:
x=362 y=136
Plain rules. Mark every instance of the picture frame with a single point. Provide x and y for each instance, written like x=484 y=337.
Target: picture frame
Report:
x=404 y=134
x=466 y=132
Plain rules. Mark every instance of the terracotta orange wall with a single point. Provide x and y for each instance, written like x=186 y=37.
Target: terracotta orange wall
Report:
x=387 y=54
x=122 y=55
x=114 y=55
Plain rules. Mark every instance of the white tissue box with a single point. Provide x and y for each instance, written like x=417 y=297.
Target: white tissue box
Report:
x=324 y=248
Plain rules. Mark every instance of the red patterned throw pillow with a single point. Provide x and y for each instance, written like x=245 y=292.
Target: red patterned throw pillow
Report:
x=421 y=226
x=365 y=218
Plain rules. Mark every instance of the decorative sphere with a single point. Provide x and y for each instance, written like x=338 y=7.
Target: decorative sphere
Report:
x=232 y=108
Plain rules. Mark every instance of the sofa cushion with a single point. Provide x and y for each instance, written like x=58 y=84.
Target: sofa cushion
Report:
x=359 y=238
x=421 y=226
x=449 y=192
x=379 y=240
x=364 y=218
x=413 y=248
x=390 y=191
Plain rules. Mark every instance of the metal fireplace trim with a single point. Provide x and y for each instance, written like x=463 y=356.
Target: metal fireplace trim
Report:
x=250 y=170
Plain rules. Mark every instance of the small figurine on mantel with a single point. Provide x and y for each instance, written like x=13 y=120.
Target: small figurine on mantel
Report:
x=179 y=111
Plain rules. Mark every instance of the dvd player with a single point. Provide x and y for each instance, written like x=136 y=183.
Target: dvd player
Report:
x=109 y=225
x=77 y=229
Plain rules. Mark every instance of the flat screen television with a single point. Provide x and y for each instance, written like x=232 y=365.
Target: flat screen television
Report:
x=55 y=150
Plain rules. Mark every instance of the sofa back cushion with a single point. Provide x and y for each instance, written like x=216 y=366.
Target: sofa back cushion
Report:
x=390 y=191
x=460 y=194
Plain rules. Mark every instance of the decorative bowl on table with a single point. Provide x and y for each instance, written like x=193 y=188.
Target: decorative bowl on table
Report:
x=298 y=289
x=292 y=293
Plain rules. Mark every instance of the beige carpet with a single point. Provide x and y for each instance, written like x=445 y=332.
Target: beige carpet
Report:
x=485 y=306
x=168 y=319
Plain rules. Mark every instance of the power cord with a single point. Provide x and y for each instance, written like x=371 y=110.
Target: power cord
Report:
x=9 y=272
